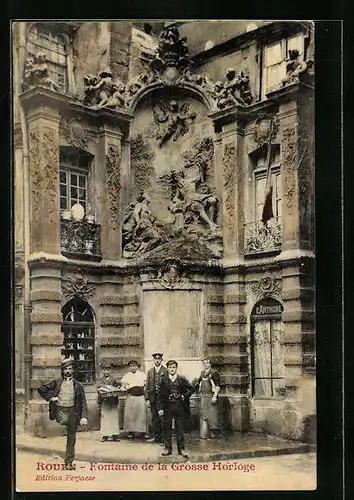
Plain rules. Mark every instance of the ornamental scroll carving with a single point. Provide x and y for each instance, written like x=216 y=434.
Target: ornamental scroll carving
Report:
x=74 y=133
x=171 y=276
x=77 y=286
x=141 y=162
x=112 y=164
x=171 y=66
x=229 y=162
x=51 y=172
x=36 y=175
x=268 y=285
x=289 y=154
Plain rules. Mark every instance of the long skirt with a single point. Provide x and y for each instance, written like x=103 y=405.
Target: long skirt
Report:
x=135 y=414
x=209 y=411
x=109 y=425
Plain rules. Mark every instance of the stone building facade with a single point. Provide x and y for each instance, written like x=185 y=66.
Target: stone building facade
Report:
x=143 y=156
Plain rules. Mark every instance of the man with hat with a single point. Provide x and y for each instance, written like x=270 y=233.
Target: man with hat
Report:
x=153 y=379
x=134 y=412
x=173 y=404
x=67 y=405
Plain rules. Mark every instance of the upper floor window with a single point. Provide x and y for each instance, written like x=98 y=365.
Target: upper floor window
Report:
x=274 y=61
x=74 y=172
x=260 y=174
x=40 y=39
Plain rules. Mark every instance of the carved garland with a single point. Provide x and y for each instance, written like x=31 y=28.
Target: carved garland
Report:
x=229 y=162
x=289 y=160
x=78 y=286
x=74 y=134
x=36 y=176
x=113 y=182
x=267 y=286
x=51 y=172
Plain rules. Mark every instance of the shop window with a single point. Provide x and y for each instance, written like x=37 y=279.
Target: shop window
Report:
x=267 y=350
x=274 y=61
x=78 y=330
x=41 y=39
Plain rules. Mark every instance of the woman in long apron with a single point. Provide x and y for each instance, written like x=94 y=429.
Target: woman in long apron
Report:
x=135 y=408
x=208 y=386
x=108 y=402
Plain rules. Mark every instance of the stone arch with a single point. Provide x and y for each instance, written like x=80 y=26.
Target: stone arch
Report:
x=192 y=89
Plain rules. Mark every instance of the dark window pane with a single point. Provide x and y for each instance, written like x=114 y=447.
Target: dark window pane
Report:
x=63 y=177
x=73 y=194
x=62 y=189
x=63 y=203
x=73 y=179
x=82 y=181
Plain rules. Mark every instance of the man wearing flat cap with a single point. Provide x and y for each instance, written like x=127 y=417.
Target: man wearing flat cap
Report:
x=134 y=412
x=67 y=405
x=173 y=404
x=153 y=379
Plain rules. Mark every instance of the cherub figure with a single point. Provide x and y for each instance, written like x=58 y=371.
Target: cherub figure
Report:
x=37 y=73
x=118 y=98
x=105 y=86
x=171 y=120
x=295 y=67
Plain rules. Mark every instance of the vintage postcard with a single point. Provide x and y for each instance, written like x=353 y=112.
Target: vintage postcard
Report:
x=164 y=255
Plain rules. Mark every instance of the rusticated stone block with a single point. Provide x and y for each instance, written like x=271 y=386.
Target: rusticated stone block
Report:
x=298 y=316
x=226 y=339
x=235 y=380
x=120 y=320
x=45 y=296
x=44 y=339
x=46 y=317
x=120 y=360
x=216 y=299
x=53 y=362
x=229 y=360
x=235 y=298
x=119 y=300
x=120 y=341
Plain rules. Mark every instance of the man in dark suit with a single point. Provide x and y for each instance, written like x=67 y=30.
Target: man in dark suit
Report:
x=153 y=379
x=174 y=394
x=67 y=405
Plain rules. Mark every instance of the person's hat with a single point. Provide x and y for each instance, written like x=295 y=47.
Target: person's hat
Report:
x=105 y=363
x=159 y=354
x=171 y=362
x=66 y=362
x=207 y=358
x=133 y=362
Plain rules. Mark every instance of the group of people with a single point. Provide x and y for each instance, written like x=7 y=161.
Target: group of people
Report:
x=162 y=391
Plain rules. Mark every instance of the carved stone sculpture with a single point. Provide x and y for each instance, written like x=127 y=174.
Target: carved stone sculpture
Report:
x=172 y=120
x=141 y=230
x=102 y=92
x=268 y=285
x=171 y=51
x=295 y=67
x=36 y=73
x=78 y=286
x=234 y=91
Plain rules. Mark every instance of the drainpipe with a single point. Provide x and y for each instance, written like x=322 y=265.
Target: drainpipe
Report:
x=26 y=227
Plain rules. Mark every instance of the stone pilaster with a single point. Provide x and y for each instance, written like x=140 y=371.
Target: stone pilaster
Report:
x=45 y=339
x=230 y=140
x=110 y=204
x=43 y=129
x=297 y=159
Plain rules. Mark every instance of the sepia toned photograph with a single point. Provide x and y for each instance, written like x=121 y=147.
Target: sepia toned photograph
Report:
x=164 y=255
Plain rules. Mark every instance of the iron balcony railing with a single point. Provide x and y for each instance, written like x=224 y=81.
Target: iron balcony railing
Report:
x=80 y=239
